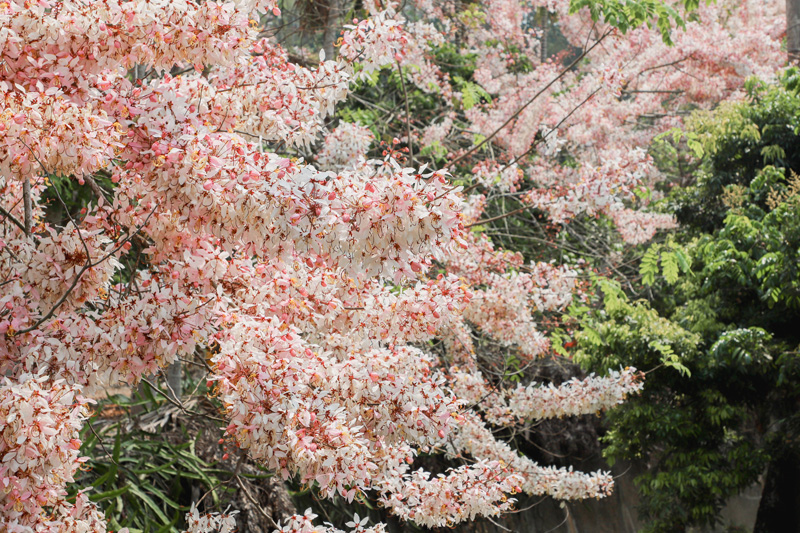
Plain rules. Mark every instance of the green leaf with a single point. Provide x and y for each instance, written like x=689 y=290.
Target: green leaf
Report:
x=592 y=336
x=629 y=14
x=117 y=448
x=649 y=266
x=468 y=97
x=110 y=473
x=772 y=153
x=148 y=501
x=683 y=262
x=696 y=147
x=669 y=263
x=109 y=494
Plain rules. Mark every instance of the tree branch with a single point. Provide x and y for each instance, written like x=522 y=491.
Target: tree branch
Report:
x=80 y=273
x=539 y=141
x=408 y=113
x=13 y=219
x=26 y=197
x=529 y=102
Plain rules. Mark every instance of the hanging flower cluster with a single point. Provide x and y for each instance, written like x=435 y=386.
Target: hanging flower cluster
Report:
x=538 y=402
x=278 y=393
x=462 y=494
x=39 y=447
x=311 y=281
x=474 y=439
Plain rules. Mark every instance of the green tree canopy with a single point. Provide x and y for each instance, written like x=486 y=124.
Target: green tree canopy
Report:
x=718 y=334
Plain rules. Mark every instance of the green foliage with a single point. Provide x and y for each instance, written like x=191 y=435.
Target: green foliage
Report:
x=471 y=93
x=380 y=96
x=609 y=337
x=65 y=197
x=718 y=336
x=677 y=134
x=685 y=422
x=742 y=348
x=146 y=480
x=738 y=139
x=472 y=16
x=673 y=261
x=649 y=266
x=453 y=62
x=363 y=117
x=628 y=14
x=436 y=152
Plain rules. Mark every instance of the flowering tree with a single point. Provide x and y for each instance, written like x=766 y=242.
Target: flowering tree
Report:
x=316 y=286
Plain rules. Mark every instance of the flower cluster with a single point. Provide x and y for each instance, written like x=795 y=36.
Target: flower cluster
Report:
x=575 y=397
x=345 y=147
x=538 y=402
x=436 y=132
x=208 y=523
x=473 y=438
x=415 y=314
x=289 y=102
x=39 y=447
x=462 y=494
x=374 y=42
x=386 y=38
x=304 y=524
x=279 y=395
x=505 y=178
x=555 y=286
x=44 y=132
x=502 y=310
x=595 y=189
x=69 y=258
x=637 y=227
x=312 y=281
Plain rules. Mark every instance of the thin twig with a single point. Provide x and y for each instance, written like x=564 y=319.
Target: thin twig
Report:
x=80 y=273
x=499 y=217
x=178 y=404
x=96 y=189
x=529 y=102
x=408 y=113
x=255 y=502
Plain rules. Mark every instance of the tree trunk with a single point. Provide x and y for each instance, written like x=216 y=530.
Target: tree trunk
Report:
x=543 y=41
x=793 y=31
x=779 y=509
x=336 y=10
x=174 y=375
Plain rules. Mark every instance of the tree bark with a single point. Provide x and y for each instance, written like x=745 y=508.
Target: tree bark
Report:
x=174 y=375
x=793 y=31
x=779 y=509
x=336 y=10
x=26 y=200
x=543 y=41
